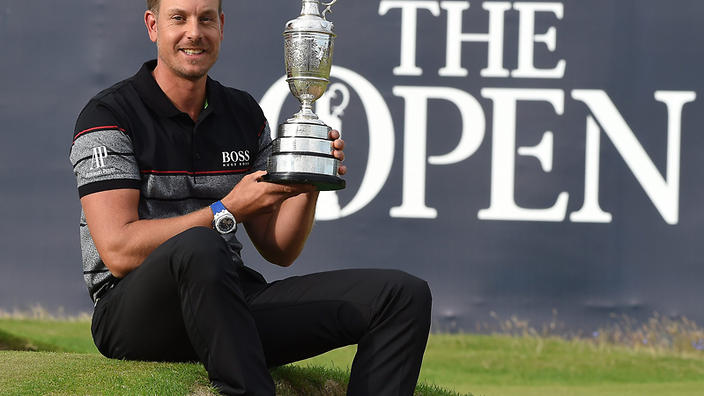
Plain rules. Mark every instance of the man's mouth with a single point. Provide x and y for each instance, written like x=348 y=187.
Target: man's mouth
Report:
x=191 y=51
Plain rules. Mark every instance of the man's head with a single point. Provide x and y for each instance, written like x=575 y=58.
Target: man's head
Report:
x=187 y=34
x=153 y=5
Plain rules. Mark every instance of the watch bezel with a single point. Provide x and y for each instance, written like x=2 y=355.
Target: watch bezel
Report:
x=224 y=215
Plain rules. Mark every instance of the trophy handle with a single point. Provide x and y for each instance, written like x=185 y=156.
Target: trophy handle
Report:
x=328 y=8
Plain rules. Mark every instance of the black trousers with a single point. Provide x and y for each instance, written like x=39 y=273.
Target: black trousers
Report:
x=189 y=302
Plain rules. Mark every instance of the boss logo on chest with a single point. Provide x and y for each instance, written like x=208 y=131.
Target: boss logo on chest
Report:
x=235 y=158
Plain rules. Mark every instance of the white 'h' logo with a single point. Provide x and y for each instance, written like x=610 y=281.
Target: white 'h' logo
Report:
x=99 y=155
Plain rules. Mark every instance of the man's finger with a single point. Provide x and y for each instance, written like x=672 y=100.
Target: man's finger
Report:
x=291 y=189
x=258 y=175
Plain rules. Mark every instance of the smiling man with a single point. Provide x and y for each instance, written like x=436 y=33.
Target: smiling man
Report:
x=168 y=163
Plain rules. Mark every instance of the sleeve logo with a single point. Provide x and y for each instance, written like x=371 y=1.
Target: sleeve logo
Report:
x=99 y=155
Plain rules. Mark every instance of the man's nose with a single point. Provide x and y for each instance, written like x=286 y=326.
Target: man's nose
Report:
x=194 y=31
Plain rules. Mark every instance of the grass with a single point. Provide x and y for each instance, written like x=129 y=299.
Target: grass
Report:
x=613 y=361
x=48 y=356
x=27 y=373
x=530 y=365
x=48 y=335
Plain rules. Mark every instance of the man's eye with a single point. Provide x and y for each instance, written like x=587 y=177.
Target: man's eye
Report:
x=178 y=18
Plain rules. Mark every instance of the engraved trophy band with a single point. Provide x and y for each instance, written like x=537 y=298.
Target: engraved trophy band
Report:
x=302 y=152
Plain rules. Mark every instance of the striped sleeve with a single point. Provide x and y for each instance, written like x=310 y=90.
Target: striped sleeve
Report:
x=102 y=153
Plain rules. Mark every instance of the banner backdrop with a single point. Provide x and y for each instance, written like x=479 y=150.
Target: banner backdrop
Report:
x=523 y=157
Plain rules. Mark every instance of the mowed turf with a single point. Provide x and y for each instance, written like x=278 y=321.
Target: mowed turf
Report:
x=29 y=373
x=52 y=335
x=476 y=364
x=58 y=357
x=525 y=366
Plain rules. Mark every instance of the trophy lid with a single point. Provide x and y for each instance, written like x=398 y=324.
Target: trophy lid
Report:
x=310 y=20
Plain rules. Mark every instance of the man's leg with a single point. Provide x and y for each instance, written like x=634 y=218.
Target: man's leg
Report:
x=386 y=312
x=185 y=303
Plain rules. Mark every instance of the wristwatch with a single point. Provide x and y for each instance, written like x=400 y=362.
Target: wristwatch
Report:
x=223 y=221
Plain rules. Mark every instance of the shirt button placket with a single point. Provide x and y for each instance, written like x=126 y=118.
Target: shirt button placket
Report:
x=196 y=156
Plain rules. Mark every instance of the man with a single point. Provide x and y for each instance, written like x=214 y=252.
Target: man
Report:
x=152 y=177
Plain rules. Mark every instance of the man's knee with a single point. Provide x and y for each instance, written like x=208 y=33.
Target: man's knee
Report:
x=420 y=293
x=414 y=291
x=197 y=241
x=200 y=252
x=198 y=236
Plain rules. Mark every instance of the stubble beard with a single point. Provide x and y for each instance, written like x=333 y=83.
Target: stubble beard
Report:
x=183 y=72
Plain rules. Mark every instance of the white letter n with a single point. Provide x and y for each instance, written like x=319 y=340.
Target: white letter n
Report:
x=663 y=192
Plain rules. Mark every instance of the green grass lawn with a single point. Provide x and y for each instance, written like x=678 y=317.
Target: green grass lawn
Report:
x=27 y=373
x=476 y=364
x=524 y=366
x=59 y=358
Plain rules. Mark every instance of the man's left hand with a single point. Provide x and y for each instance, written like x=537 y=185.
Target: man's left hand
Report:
x=338 y=146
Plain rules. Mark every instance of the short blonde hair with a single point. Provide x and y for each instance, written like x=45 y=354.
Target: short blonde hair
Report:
x=153 y=5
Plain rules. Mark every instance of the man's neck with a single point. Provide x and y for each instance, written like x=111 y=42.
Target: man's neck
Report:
x=187 y=95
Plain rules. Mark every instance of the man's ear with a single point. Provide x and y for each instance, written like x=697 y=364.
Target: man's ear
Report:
x=222 y=26
x=150 y=22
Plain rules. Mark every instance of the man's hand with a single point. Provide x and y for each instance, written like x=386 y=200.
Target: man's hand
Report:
x=339 y=146
x=251 y=197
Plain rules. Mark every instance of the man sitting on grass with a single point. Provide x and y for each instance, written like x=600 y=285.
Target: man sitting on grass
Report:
x=148 y=157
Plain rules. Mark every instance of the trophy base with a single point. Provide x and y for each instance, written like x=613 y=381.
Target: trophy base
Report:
x=321 y=182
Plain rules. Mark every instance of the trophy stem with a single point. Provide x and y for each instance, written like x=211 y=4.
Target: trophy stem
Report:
x=306 y=115
x=307 y=108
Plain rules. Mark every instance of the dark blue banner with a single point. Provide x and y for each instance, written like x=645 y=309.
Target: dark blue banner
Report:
x=521 y=156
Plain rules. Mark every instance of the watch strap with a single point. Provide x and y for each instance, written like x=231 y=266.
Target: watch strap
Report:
x=217 y=207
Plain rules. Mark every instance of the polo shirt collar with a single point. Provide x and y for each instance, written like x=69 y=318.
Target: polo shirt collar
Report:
x=156 y=99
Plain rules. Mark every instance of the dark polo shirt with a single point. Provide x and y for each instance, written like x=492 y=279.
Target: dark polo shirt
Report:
x=131 y=136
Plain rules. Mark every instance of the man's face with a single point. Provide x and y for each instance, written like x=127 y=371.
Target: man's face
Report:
x=188 y=35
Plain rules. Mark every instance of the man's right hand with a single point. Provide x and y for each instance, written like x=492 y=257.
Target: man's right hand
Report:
x=252 y=197
x=277 y=217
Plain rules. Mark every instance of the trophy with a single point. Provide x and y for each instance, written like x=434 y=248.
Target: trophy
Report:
x=302 y=153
